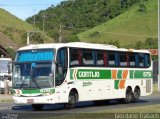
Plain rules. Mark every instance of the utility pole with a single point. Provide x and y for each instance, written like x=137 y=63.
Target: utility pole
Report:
x=29 y=34
x=34 y=19
x=28 y=38
x=60 y=33
x=43 y=20
x=159 y=45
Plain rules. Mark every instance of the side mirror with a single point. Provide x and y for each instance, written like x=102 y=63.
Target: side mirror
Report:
x=10 y=64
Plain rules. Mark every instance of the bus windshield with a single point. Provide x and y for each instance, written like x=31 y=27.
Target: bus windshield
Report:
x=33 y=69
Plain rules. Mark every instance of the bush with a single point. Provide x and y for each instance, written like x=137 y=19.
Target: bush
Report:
x=150 y=43
x=142 y=7
x=74 y=38
x=95 y=33
x=116 y=43
x=139 y=45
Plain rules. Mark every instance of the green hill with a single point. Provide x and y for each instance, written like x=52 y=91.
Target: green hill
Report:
x=137 y=24
x=76 y=15
x=13 y=31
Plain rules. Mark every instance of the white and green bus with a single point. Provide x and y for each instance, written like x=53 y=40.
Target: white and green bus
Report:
x=68 y=73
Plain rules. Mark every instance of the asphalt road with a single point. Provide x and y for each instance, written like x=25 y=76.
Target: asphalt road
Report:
x=26 y=112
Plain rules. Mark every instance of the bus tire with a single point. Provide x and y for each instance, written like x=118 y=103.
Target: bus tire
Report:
x=129 y=96
x=37 y=107
x=136 y=95
x=72 y=100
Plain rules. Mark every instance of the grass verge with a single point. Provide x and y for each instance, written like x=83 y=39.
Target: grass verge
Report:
x=137 y=112
x=141 y=109
x=7 y=100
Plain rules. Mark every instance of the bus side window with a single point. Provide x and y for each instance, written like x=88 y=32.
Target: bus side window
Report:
x=61 y=66
x=105 y=58
x=132 y=61
x=147 y=60
x=74 y=61
x=62 y=57
x=111 y=59
x=88 y=57
x=141 y=60
x=123 y=60
x=136 y=59
x=100 y=58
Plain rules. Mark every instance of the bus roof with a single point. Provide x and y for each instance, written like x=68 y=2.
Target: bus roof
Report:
x=78 y=45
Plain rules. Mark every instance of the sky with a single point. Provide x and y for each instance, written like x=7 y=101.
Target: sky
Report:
x=26 y=8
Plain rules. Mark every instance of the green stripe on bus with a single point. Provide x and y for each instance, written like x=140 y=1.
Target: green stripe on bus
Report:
x=131 y=74
x=119 y=74
x=93 y=74
x=35 y=91
x=71 y=73
x=30 y=91
x=116 y=84
x=135 y=74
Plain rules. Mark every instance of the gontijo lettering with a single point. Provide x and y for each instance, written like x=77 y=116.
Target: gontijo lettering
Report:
x=88 y=74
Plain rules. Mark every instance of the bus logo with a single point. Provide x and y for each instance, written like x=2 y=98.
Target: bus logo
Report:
x=90 y=74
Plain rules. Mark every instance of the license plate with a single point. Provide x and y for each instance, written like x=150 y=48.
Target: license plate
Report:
x=30 y=100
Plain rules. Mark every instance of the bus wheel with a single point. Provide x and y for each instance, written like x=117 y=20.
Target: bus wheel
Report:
x=129 y=96
x=136 y=95
x=72 y=100
x=37 y=106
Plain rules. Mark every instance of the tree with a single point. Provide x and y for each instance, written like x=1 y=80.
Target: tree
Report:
x=151 y=43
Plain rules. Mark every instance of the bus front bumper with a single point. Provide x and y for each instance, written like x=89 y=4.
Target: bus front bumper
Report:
x=34 y=100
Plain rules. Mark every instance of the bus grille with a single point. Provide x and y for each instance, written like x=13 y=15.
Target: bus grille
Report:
x=148 y=86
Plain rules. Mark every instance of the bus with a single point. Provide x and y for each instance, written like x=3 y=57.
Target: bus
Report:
x=4 y=73
x=68 y=73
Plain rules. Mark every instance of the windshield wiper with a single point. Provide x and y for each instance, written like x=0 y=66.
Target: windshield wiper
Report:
x=33 y=79
x=36 y=84
x=22 y=82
